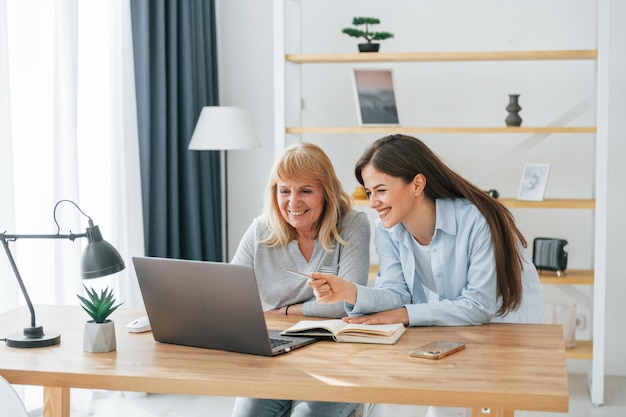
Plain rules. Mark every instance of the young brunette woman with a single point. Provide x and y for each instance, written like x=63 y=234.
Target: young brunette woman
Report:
x=449 y=254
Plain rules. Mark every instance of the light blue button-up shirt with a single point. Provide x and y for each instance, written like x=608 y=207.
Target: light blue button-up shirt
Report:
x=463 y=267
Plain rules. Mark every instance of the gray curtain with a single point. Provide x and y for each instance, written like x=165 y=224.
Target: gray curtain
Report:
x=176 y=75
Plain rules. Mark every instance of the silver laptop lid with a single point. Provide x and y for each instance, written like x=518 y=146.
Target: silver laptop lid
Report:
x=205 y=304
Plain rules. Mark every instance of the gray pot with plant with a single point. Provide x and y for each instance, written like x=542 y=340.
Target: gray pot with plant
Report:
x=99 y=335
x=366 y=34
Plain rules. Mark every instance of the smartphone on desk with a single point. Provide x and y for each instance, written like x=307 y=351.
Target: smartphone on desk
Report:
x=436 y=350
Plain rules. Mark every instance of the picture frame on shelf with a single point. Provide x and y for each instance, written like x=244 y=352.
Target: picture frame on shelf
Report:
x=533 y=183
x=375 y=97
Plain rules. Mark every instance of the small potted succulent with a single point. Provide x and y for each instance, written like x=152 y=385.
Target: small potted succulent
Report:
x=366 y=34
x=99 y=333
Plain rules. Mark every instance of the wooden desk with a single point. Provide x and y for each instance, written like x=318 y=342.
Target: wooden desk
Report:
x=504 y=366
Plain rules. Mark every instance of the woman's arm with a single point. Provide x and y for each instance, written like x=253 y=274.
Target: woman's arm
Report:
x=390 y=292
x=353 y=265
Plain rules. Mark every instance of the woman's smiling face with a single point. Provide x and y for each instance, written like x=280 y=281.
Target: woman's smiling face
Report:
x=389 y=196
x=301 y=203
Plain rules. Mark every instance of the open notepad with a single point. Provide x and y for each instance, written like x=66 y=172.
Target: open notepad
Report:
x=386 y=334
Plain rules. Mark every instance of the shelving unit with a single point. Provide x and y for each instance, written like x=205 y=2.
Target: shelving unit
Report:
x=585 y=349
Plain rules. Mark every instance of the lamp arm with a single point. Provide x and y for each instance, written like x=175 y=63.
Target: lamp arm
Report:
x=19 y=281
x=71 y=236
x=6 y=238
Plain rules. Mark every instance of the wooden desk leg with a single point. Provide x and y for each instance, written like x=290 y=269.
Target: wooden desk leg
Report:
x=56 y=402
x=488 y=412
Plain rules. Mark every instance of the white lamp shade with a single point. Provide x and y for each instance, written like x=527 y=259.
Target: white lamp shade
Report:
x=223 y=128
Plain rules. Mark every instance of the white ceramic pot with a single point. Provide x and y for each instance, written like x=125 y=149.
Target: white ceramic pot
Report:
x=99 y=337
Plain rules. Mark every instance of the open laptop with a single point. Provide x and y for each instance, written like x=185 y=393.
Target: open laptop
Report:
x=209 y=305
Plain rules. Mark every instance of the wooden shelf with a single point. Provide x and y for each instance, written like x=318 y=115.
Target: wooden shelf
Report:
x=556 y=203
x=373 y=271
x=571 y=277
x=342 y=130
x=582 y=350
x=551 y=203
x=581 y=54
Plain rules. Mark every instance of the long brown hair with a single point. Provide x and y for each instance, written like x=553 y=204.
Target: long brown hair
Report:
x=404 y=157
x=306 y=161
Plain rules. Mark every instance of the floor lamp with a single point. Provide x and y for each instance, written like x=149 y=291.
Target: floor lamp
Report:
x=224 y=128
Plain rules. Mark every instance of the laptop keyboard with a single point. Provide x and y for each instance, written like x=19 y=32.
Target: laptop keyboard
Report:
x=278 y=342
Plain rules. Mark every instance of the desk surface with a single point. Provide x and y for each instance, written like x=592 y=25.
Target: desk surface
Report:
x=507 y=366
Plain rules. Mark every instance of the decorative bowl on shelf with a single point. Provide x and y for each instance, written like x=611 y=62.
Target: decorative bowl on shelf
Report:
x=359 y=193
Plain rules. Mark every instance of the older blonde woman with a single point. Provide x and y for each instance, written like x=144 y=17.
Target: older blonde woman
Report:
x=308 y=225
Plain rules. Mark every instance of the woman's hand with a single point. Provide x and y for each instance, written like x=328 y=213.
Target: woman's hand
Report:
x=332 y=289
x=399 y=315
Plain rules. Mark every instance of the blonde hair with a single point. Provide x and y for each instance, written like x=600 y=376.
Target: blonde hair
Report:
x=306 y=161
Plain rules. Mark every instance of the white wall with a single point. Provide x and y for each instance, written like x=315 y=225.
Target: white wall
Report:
x=245 y=79
x=448 y=94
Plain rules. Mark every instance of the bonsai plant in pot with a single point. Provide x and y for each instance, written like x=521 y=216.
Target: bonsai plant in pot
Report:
x=99 y=335
x=366 y=34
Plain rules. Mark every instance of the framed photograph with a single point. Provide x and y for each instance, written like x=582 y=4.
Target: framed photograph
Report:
x=375 y=97
x=533 y=183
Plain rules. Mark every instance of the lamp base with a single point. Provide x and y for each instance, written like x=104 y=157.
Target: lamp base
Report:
x=19 y=340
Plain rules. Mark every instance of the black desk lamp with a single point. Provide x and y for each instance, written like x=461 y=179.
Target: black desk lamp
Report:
x=99 y=258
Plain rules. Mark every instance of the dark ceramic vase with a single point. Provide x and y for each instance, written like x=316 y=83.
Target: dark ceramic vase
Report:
x=513 y=119
x=369 y=47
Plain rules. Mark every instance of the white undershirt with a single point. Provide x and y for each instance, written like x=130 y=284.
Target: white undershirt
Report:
x=424 y=270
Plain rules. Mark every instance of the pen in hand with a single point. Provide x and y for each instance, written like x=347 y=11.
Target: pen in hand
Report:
x=299 y=274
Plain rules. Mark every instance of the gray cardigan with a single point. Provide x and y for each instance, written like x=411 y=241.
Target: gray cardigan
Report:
x=279 y=288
